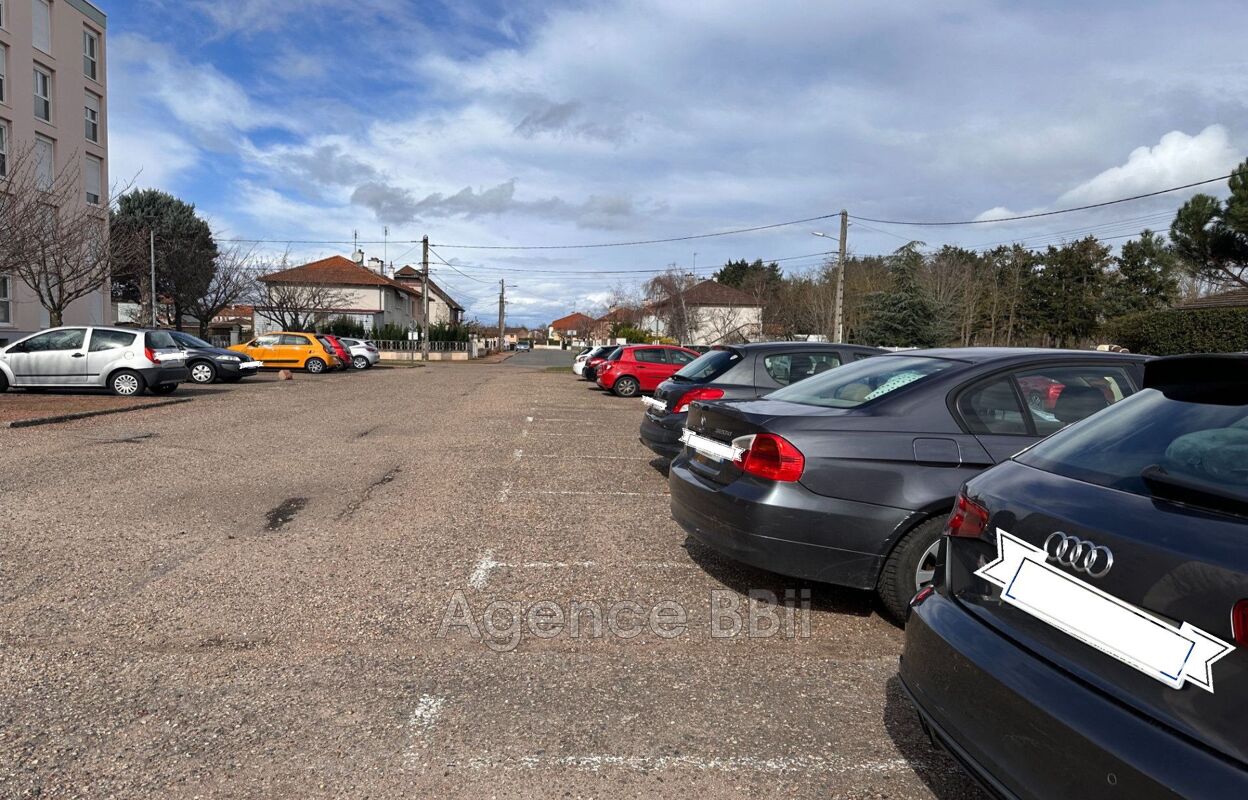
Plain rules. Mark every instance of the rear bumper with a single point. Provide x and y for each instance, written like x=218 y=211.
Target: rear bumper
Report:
x=786 y=528
x=1028 y=730
x=155 y=376
x=663 y=436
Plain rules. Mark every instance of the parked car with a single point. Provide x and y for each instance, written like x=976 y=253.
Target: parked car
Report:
x=1088 y=635
x=123 y=360
x=583 y=358
x=847 y=477
x=338 y=349
x=590 y=370
x=364 y=353
x=285 y=350
x=735 y=372
x=524 y=346
x=207 y=363
x=641 y=368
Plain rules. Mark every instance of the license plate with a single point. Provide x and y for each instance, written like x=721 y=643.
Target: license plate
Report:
x=657 y=405
x=249 y=365
x=717 y=451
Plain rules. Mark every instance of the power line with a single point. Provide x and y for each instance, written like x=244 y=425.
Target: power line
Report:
x=527 y=271
x=452 y=266
x=1047 y=213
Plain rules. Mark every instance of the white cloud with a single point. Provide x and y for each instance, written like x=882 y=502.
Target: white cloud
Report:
x=152 y=159
x=1175 y=160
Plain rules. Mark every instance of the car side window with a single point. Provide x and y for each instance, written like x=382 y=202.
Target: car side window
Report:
x=271 y=340
x=680 y=357
x=993 y=407
x=53 y=341
x=103 y=341
x=1059 y=395
x=295 y=341
x=786 y=368
x=649 y=355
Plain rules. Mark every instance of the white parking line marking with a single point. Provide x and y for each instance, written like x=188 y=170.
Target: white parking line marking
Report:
x=481 y=573
x=419 y=726
x=556 y=564
x=589 y=458
x=598 y=762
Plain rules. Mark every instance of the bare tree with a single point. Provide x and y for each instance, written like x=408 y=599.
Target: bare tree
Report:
x=54 y=242
x=293 y=306
x=666 y=298
x=232 y=281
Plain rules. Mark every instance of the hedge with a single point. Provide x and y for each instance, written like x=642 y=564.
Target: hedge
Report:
x=1165 y=333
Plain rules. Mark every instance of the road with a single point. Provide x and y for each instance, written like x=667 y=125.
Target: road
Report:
x=305 y=590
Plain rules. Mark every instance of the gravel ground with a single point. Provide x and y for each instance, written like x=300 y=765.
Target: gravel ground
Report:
x=20 y=406
x=246 y=596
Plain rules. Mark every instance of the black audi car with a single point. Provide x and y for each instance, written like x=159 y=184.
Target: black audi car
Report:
x=734 y=373
x=1086 y=636
x=208 y=363
x=847 y=477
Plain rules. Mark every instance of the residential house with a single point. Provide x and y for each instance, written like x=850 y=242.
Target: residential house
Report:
x=1235 y=298
x=339 y=287
x=716 y=314
x=603 y=326
x=573 y=328
x=442 y=307
x=53 y=98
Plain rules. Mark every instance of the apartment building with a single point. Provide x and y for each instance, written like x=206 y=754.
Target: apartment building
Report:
x=53 y=97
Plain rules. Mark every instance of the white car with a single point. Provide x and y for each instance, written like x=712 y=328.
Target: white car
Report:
x=123 y=360
x=578 y=366
x=364 y=354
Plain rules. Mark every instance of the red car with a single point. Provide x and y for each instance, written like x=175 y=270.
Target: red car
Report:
x=338 y=349
x=641 y=368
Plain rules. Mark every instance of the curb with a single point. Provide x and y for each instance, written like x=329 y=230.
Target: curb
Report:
x=31 y=423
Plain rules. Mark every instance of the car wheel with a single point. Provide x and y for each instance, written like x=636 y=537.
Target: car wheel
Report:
x=203 y=373
x=164 y=388
x=910 y=567
x=4 y=383
x=360 y=362
x=126 y=383
x=315 y=365
x=627 y=387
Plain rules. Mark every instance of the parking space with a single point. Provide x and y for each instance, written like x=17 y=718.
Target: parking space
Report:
x=447 y=581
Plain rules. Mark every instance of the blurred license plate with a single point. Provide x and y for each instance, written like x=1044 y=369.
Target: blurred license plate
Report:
x=657 y=405
x=710 y=449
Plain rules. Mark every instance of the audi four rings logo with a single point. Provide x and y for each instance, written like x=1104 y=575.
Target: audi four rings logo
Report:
x=1079 y=554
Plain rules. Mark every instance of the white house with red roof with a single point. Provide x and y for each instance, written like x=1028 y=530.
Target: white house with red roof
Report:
x=339 y=287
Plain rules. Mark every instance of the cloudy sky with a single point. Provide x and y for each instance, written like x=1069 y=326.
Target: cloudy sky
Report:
x=556 y=123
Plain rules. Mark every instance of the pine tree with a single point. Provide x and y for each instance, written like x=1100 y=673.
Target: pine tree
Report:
x=904 y=315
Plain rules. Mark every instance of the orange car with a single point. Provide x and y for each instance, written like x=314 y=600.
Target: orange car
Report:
x=284 y=350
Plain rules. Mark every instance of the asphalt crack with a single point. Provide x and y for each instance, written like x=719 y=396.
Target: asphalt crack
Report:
x=356 y=505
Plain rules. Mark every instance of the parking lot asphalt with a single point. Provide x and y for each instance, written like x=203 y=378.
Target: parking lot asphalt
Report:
x=285 y=589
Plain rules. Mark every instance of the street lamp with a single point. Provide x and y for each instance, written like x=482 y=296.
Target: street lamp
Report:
x=838 y=316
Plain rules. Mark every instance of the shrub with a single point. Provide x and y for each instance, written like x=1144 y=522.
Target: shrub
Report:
x=341 y=326
x=1173 y=332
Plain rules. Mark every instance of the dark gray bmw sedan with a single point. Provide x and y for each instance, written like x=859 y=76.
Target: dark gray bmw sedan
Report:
x=847 y=477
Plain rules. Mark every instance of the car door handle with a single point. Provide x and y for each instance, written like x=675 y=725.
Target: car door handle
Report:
x=79 y=355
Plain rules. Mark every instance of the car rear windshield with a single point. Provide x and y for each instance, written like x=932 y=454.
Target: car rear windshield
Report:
x=708 y=366
x=862 y=381
x=616 y=354
x=1148 y=444
x=158 y=340
x=192 y=341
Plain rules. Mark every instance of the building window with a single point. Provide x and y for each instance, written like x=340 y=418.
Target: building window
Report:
x=45 y=162
x=90 y=54
x=93 y=179
x=43 y=94
x=4 y=20
x=43 y=25
x=4 y=148
x=6 y=300
x=92 y=111
x=4 y=69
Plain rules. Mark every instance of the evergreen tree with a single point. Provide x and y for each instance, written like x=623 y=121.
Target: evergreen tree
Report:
x=1066 y=303
x=1145 y=279
x=904 y=315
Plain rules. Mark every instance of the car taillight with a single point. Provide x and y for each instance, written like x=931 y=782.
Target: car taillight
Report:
x=1239 y=623
x=1055 y=391
x=150 y=355
x=968 y=520
x=772 y=457
x=682 y=405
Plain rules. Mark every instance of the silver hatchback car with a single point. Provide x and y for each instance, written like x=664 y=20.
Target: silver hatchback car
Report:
x=123 y=360
x=364 y=354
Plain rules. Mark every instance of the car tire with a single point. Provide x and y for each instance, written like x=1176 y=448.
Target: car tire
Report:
x=627 y=386
x=4 y=383
x=164 y=388
x=314 y=365
x=360 y=362
x=126 y=383
x=203 y=373
x=907 y=567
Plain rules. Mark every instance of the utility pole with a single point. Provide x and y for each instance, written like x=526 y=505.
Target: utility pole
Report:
x=502 y=311
x=152 y=234
x=424 y=300
x=839 y=316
